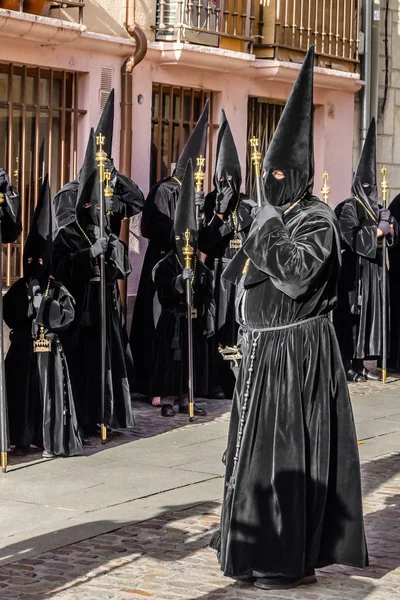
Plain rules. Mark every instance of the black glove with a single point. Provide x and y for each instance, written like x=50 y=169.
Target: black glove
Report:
x=4 y=180
x=99 y=247
x=37 y=301
x=187 y=274
x=33 y=287
x=223 y=200
x=385 y=215
x=109 y=205
x=384 y=226
x=109 y=166
x=199 y=201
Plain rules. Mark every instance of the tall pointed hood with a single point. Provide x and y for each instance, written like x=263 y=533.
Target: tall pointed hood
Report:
x=185 y=214
x=39 y=243
x=106 y=123
x=195 y=146
x=227 y=163
x=291 y=149
x=88 y=188
x=364 y=180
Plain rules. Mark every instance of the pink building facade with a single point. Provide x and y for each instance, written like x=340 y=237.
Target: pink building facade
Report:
x=85 y=61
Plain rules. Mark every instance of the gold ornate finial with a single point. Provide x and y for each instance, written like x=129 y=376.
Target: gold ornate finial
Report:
x=187 y=251
x=384 y=185
x=100 y=155
x=256 y=155
x=325 y=190
x=108 y=190
x=199 y=176
x=41 y=344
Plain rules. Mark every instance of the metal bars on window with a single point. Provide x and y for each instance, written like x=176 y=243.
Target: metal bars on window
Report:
x=39 y=118
x=175 y=111
x=262 y=119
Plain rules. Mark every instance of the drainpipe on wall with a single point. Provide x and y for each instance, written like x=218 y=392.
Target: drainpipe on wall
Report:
x=125 y=144
x=367 y=13
x=375 y=43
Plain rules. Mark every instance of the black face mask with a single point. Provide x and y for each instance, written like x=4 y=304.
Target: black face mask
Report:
x=285 y=191
x=35 y=270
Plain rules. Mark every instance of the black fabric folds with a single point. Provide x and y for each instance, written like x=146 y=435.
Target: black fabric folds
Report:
x=185 y=214
x=394 y=285
x=228 y=171
x=106 y=124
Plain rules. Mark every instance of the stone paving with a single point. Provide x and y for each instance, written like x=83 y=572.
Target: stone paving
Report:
x=167 y=557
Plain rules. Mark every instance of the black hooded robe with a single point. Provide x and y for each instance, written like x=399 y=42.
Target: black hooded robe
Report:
x=358 y=316
x=170 y=348
x=11 y=220
x=40 y=401
x=394 y=285
x=74 y=265
x=214 y=240
x=156 y=226
x=293 y=502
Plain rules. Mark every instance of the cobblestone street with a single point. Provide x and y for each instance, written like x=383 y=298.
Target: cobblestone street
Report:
x=167 y=557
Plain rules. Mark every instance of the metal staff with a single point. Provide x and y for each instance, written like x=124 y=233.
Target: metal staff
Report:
x=100 y=158
x=325 y=190
x=199 y=177
x=384 y=188
x=3 y=402
x=188 y=252
x=256 y=158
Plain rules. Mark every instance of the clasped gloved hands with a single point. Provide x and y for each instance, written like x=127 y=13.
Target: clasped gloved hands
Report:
x=33 y=288
x=385 y=219
x=99 y=247
x=187 y=275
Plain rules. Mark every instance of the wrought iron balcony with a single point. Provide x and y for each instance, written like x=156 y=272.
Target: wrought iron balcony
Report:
x=44 y=7
x=281 y=29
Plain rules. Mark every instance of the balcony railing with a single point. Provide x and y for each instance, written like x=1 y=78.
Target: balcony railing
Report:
x=282 y=29
x=44 y=8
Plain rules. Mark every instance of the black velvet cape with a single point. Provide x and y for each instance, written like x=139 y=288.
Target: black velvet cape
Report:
x=294 y=501
x=214 y=238
x=170 y=348
x=394 y=284
x=156 y=226
x=358 y=317
x=74 y=266
x=39 y=393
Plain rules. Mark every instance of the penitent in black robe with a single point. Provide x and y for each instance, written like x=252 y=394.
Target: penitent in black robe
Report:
x=170 y=349
x=39 y=394
x=156 y=226
x=74 y=266
x=293 y=502
x=214 y=240
x=394 y=284
x=358 y=317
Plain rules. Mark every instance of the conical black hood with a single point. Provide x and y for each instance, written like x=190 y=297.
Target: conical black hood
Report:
x=364 y=181
x=366 y=169
x=106 y=124
x=39 y=243
x=227 y=162
x=88 y=189
x=185 y=213
x=291 y=149
x=195 y=146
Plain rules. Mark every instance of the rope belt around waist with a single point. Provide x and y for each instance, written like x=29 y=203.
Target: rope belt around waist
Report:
x=282 y=327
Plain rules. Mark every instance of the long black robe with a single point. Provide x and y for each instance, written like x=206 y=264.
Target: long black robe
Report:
x=394 y=285
x=156 y=226
x=74 y=265
x=170 y=348
x=39 y=394
x=294 y=500
x=358 y=317
x=11 y=220
x=214 y=239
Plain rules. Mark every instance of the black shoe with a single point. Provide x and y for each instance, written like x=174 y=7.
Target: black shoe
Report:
x=284 y=583
x=355 y=377
x=167 y=410
x=21 y=450
x=370 y=376
x=217 y=396
x=198 y=412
